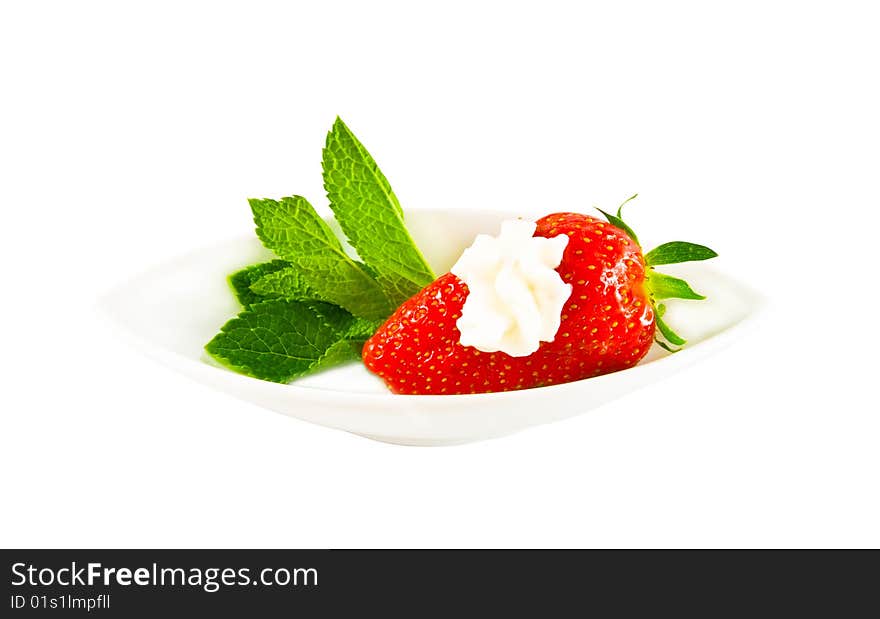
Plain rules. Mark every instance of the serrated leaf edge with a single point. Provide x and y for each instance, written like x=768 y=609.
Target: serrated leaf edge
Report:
x=247 y=369
x=381 y=181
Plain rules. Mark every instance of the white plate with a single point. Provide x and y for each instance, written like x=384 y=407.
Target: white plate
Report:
x=174 y=309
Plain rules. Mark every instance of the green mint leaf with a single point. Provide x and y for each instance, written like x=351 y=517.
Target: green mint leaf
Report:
x=284 y=283
x=291 y=226
x=351 y=344
x=370 y=215
x=617 y=221
x=678 y=251
x=350 y=347
x=279 y=340
x=340 y=352
x=667 y=287
x=361 y=329
x=241 y=281
x=294 y=231
x=667 y=332
x=333 y=315
x=348 y=285
x=348 y=328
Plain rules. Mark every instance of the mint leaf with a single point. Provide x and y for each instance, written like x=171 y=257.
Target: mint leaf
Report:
x=667 y=287
x=241 y=281
x=361 y=329
x=678 y=251
x=316 y=306
x=341 y=352
x=292 y=227
x=294 y=231
x=285 y=283
x=349 y=327
x=371 y=217
x=279 y=340
x=349 y=347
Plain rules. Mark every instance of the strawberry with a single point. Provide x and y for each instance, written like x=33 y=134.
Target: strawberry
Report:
x=607 y=324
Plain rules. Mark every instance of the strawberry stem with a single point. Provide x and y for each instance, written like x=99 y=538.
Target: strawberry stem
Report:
x=665 y=346
x=659 y=285
x=678 y=251
x=668 y=333
x=617 y=221
x=622 y=204
x=662 y=286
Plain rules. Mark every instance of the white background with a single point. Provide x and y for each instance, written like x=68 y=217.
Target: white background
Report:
x=132 y=133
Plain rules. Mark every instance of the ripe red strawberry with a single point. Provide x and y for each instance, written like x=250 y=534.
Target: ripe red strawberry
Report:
x=608 y=323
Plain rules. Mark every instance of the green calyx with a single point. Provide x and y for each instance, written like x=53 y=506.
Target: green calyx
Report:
x=617 y=220
x=659 y=285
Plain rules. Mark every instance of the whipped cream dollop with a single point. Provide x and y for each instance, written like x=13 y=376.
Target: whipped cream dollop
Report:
x=515 y=295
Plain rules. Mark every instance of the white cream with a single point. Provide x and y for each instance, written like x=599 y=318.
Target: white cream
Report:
x=515 y=296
